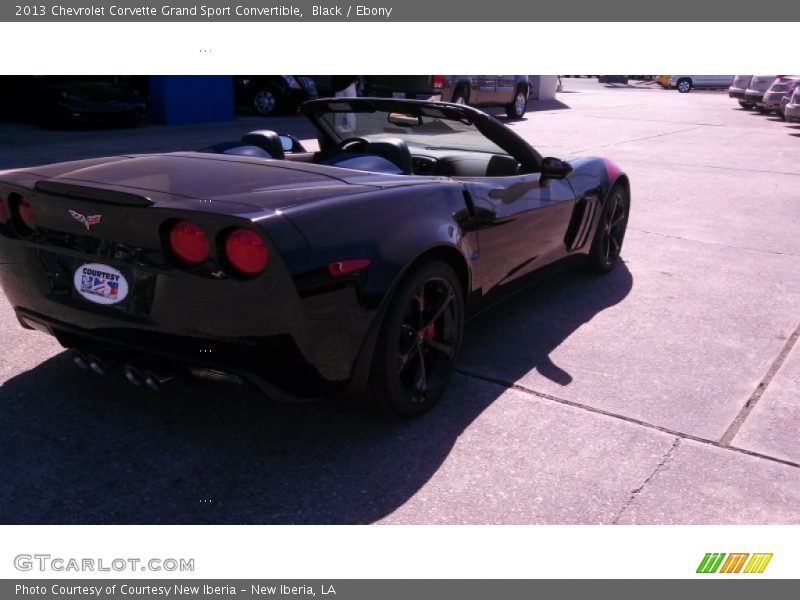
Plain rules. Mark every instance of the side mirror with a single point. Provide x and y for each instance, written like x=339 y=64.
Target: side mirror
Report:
x=290 y=143
x=554 y=168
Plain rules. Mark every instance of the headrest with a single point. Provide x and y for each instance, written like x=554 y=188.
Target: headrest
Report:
x=366 y=162
x=237 y=148
x=268 y=140
x=394 y=150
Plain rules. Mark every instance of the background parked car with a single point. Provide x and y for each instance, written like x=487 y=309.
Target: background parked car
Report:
x=686 y=83
x=775 y=93
x=738 y=89
x=273 y=94
x=55 y=101
x=623 y=79
x=325 y=85
x=792 y=110
x=510 y=91
x=787 y=97
x=758 y=86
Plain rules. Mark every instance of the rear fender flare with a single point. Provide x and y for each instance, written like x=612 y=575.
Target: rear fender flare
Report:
x=451 y=254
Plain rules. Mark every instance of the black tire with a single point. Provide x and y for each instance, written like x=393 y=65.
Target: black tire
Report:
x=461 y=95
x=746 y=105
x=610 y=234
x=684 y=85
x=519 y=104
x=266 y=101
x=419 y=342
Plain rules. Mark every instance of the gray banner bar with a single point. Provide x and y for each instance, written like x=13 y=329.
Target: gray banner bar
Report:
x=714 y=586
x=405 y=11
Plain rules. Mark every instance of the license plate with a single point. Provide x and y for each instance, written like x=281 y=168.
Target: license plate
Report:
x=101 y=284
x=398 y=95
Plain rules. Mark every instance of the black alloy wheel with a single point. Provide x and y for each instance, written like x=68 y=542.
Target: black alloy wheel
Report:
x=419 y=343
x=610 y=234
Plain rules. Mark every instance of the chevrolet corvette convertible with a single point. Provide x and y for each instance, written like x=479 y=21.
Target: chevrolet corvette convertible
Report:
x=349 y=271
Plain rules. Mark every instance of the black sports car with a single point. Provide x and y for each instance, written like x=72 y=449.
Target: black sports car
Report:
x=348 y=271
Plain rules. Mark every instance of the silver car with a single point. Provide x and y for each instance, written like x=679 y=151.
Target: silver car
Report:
x=738 y=88
x=686 y=83
x=792 y=110
x=774 y=95
x=759 y=84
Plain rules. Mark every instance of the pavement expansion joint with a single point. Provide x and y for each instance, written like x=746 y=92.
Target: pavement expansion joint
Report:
x=762 y=386
x=665 y=460
x=679 y=434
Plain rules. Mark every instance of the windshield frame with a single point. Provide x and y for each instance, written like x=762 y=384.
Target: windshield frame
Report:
x=489 y=127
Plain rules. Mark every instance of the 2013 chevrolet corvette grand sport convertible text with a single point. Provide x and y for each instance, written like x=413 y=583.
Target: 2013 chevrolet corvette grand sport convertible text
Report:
x=344 y=272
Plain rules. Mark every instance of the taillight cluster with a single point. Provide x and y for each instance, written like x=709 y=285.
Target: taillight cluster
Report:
x=437 y=81
x=243 y=249
x=246 y=251
x=189 y=242
x=19 y=212
x=26 y=214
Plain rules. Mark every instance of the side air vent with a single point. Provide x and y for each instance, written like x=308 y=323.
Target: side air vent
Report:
x=580 y=225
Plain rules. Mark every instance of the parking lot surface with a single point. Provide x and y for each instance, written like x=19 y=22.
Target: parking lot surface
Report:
x=663 y=393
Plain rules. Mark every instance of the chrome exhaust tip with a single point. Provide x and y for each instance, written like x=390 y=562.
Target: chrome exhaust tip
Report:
x=155 y=380
x=133 y=375
x=79 y=360
x=96 y=364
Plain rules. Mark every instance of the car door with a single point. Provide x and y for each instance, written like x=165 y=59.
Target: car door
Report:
x=484 y=89
x=521 y=224
x=506 y=86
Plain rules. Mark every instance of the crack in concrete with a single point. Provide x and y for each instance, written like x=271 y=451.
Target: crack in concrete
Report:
x=706 y=242
x=679 y=434
x=762 y=386
x=665 y=460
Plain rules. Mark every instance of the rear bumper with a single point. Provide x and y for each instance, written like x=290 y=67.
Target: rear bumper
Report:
x=792 y=112
x=754 y=96
x=291 y=346
x=737 y=93
x=772 y=100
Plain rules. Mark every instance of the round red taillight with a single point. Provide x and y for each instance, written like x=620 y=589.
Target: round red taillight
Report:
x=26 y=214
x=189 y=242
x=246 y=251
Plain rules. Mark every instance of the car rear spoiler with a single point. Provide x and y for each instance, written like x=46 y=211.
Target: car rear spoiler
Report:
x=84 y=192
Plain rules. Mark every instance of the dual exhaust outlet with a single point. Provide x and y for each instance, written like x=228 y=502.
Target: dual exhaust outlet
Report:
x=137 y=373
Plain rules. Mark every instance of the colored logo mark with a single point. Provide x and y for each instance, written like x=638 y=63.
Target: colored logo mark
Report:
x=734 y=563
